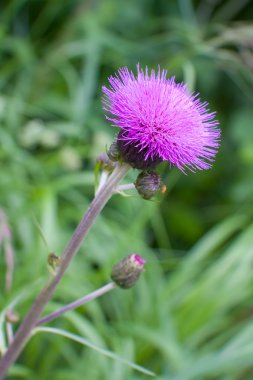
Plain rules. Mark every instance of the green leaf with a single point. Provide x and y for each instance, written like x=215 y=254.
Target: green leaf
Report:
x=87 y=343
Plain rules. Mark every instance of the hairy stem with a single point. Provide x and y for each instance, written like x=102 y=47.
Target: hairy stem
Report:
x=73 y=305
x=26 y=327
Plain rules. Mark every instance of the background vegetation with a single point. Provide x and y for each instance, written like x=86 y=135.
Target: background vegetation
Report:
x=190 y=315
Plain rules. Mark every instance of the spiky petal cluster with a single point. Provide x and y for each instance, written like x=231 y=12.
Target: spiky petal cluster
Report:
x=160 y=120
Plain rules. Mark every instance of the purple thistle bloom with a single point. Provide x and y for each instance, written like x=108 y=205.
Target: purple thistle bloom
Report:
x=160 y=120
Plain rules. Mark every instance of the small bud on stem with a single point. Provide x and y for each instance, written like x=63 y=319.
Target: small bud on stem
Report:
x=11 y=316
x=148 y=183
x=127 y=272
x=53 y=261
x=105 y=162
x=113 y=152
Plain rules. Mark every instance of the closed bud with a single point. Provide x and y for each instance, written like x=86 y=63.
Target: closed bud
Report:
x=113 y=152
x=54 y=262
x=11 y=316
x=105 y=162
x=126 y=273
x=148 y=183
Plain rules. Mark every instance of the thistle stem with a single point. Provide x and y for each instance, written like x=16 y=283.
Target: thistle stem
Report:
x=125 y=187
x=31 y=319
x=73 y=305
x=102 y=181
x=9 y=332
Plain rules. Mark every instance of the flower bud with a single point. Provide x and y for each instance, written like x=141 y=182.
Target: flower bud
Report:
x=11 y=316
x=126 y=273
x=53 y=261
x=113 y=152
x=148 y=183
x=105 y=162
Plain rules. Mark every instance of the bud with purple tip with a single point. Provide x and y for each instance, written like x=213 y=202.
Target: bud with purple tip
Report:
x=126 y=273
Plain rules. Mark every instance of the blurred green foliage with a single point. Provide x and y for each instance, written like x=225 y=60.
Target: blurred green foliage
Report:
x=190 y=316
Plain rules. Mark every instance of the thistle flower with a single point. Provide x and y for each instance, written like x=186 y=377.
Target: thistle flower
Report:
x=160 y=120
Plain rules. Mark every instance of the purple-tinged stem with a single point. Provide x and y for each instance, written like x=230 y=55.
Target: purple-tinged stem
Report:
x=73 y=305
x=9 y=332
x=125 y=187
x=26 y=327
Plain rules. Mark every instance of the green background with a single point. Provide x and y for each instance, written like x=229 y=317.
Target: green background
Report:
x=190 y=315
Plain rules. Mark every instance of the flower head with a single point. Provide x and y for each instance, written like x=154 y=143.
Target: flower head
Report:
x=160 y=120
